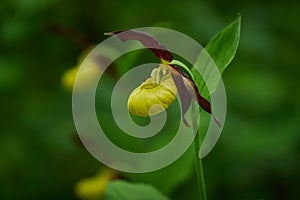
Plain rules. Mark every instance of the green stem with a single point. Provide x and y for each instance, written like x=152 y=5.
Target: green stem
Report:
x=199 y=169
x=182 y=65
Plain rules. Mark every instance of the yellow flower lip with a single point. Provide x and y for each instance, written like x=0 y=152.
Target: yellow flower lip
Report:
x=151 y=98
x=150 y=85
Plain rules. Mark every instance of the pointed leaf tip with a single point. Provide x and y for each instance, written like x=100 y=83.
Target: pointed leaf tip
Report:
x=223 y=46
x=219 y=52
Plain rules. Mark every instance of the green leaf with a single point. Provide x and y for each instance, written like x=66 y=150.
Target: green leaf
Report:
x=122 y=190
x=223 y=46
x=220 y=51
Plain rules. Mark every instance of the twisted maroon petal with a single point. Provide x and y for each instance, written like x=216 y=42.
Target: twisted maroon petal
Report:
x=183 y=92
x=187 y=91
x=147 y=40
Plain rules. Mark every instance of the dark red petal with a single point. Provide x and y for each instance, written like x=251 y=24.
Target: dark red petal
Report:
x=187 y=91
x=184 y=94
x=192 y=89
x=147 y=40
x=205 y=104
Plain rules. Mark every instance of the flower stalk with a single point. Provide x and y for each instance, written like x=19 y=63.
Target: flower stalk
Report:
x=201 y=187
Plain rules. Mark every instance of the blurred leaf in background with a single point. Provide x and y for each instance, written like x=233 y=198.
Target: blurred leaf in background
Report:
x=125 y=190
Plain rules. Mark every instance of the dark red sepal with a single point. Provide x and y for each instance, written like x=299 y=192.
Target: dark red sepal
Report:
x=187 y=90
x=147 y=40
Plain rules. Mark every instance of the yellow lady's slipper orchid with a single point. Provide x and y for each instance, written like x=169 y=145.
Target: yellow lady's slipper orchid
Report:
x=158 y=92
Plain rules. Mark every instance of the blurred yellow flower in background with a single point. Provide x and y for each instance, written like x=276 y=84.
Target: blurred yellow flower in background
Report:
x=94 y=187
x=68 y=78
x=87 y=74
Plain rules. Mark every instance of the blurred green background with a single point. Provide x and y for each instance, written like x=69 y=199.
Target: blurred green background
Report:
x=257 y=156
